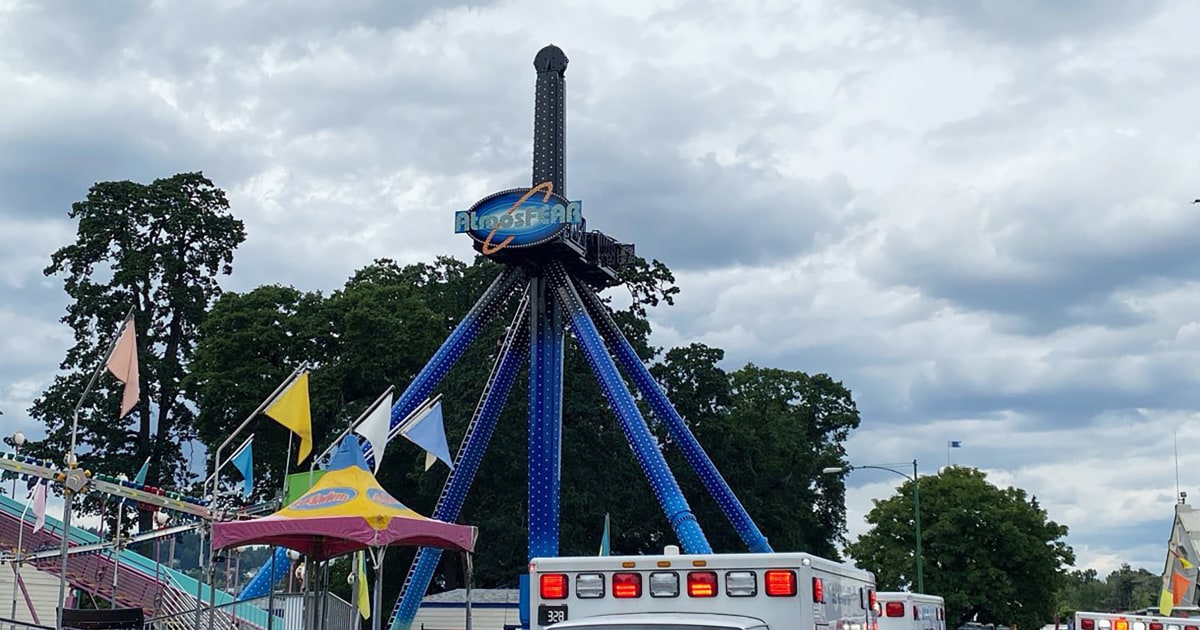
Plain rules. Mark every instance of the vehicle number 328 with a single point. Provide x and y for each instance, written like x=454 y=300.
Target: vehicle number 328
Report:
x=548 y=615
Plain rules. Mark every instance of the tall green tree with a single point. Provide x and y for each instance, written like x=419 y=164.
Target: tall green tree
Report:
x=988 y=551
x=159 y=249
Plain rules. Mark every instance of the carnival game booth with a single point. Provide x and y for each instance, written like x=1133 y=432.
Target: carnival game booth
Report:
x=346 y=511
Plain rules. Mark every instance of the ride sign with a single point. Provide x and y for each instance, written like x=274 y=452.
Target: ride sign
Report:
x=519 y=217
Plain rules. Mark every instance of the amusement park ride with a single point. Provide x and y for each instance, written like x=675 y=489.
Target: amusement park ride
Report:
x=555 y=267
x=540 y=237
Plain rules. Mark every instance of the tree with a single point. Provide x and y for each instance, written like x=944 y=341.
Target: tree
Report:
x=990 y=552
x=780 y=428
x=157 y=248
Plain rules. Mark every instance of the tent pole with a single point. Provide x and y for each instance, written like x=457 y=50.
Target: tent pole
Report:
x=270 y=594
x=470 y=578
x=376 y=607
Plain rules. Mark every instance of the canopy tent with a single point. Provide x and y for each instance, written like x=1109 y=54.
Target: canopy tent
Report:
x=346 y=511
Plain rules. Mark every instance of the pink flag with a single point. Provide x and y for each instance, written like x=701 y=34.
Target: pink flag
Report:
x=39 y=506
x=123 y=363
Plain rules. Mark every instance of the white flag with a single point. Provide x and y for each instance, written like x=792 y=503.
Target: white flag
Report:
x=374 y=428
x=39 y=506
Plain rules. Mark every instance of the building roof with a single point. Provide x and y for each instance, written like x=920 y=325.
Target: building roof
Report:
x=478 y=596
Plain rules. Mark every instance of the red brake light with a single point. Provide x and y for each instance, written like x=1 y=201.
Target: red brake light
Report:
x=1156 y=625
x=818 y=591
x=702 y=584
x=894 y=609
x=781 y=583
x=1087 y=624
x=871 y=601
x=554 y=586
x=1191 y=628
x=627 y=585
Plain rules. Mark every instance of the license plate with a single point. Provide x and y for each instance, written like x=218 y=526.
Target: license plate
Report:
x=548 y=615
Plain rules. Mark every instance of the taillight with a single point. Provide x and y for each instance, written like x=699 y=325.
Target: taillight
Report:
x=871 y=599
x=1156 y=625
x=1087 y=624
x=1191 y=628
x=780 y=583
x=702 y=584
x=554 y=586
x=627 y=585
x=916 y=612
x=818 y=587
x=1121 y=624
x=893 y=609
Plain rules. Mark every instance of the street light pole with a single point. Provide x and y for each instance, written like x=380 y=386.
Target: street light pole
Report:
x=917 y=523
x=916 y=479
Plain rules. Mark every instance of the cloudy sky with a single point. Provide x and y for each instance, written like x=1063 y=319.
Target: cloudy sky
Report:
x=976 y=214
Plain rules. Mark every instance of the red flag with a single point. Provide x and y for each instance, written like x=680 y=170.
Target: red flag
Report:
x=123 y=363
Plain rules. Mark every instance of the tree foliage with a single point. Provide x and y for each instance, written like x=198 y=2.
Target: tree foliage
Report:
x=992 y=553
x=769 y=431
x=157 y=248
x=1123 y=590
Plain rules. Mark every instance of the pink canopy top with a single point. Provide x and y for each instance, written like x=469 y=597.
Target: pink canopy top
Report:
x=346 y=511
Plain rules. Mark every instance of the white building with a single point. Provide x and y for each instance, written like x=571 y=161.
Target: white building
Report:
x=42 y=588
x=491 y=609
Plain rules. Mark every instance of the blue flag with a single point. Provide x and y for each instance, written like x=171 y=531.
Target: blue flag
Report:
x=428 y=432
x=955 y=444
x=140 y=478
x=243 y=460
x=604 y=543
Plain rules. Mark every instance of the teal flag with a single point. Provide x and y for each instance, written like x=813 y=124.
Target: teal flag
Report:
x=243 y=460
x=140 y=478
x=604 y=544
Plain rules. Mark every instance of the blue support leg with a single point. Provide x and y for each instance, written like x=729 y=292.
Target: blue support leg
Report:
x=644 y=446
x=466 y=464
x=666 y=413
x=453 y=348
x=545 y=418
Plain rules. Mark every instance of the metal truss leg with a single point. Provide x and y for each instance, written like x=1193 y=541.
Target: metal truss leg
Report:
x=545 y=418
x=453 y=348
x=470 y=455
x=644 y=446
x=666 y=413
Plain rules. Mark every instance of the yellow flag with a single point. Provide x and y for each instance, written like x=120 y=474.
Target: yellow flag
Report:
x=291 y=410
x=364 y=600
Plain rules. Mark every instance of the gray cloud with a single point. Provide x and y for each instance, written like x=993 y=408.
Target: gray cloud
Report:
x=1028 y=21
x=992 y=248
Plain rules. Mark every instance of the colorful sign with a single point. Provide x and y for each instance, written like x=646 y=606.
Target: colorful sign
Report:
x=324 y=498
x=383 y=498
x=520 y=217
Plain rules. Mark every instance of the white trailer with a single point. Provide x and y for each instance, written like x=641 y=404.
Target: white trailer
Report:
x=762 y=591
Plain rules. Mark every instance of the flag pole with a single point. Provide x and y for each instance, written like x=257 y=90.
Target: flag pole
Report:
x=91 y=383
x=217 y=463
x=215 y=478
x=350 y=427
x=71 y=461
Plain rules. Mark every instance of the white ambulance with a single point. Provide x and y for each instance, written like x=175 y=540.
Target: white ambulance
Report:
x=752 y=591
x=910 y=611
x=1132 y=621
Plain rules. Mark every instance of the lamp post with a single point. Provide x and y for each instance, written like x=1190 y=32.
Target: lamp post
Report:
x=916 y=507
x=16 y=441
